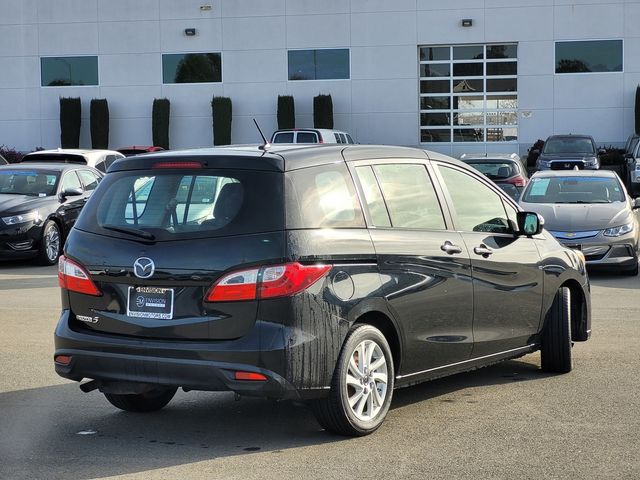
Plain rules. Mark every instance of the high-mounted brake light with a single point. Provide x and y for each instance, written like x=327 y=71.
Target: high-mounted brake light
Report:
x=74 y=277
x=266 y=282
x=189 y=165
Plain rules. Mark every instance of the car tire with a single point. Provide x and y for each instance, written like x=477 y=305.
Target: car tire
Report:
x=359 y=398
x=555 y=351
x=50 y=244
x=142 y=402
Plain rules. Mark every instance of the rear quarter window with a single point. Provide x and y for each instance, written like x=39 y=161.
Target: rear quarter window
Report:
x=285 y=137
x=307 y=137
x=322 y=197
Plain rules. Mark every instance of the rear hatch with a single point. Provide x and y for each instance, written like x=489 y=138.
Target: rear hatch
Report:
x=154 y=241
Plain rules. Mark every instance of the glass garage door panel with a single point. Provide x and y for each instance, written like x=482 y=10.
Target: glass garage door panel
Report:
x=468 y=93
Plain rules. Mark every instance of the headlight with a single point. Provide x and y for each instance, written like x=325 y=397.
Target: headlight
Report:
x=618 y=231
x=591 y=161
x=33 y=216
x=544 y=163
x=637 y=167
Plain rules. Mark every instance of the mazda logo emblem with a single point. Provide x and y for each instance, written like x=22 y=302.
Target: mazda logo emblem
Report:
x=143 y=267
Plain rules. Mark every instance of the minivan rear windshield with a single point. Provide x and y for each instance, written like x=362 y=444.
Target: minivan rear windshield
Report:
x=178 y=204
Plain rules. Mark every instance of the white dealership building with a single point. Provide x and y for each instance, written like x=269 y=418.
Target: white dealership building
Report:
x=454 y=76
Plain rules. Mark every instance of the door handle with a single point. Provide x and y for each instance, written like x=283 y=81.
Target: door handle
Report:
x=482 y=250
x=450 y=248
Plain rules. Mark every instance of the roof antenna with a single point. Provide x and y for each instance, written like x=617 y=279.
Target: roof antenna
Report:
x=266 y=144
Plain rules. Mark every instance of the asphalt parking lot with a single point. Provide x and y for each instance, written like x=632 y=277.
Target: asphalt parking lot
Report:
x=505 y=422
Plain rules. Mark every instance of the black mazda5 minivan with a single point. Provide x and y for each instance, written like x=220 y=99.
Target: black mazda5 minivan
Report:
x=325 y=274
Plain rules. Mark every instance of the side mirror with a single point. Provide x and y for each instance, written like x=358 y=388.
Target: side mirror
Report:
x=635 y=203
x=601 y=151
x=71 y=192
x=530 y=223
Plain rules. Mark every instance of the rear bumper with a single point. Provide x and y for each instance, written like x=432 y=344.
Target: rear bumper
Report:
x=191 y=365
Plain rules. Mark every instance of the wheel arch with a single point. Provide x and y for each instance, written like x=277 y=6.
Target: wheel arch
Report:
x=579 y=311
x=383 y=322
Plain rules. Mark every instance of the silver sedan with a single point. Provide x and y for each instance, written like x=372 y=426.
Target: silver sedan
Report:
x=589 y=211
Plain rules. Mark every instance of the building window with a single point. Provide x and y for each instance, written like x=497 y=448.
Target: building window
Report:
x=468 y=93
x=191 y=68
x=325 y=64
x=589 y=56
x=68 y=71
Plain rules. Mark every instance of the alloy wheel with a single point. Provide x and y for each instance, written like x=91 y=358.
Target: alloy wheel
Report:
x=366 y=380
x=52 y=243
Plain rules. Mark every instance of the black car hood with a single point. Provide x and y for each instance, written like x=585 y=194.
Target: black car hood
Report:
x=13 y=204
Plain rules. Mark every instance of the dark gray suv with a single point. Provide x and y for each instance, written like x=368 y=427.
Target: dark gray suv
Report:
x=566 y=152
x=327 y=274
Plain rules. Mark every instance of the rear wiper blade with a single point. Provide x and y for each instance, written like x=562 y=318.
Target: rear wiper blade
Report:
x=131 y=231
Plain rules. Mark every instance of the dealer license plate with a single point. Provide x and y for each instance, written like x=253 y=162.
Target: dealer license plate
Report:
x=150 y=302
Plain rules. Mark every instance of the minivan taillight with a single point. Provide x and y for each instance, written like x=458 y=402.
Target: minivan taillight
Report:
x=266 y=282
x=74 y=277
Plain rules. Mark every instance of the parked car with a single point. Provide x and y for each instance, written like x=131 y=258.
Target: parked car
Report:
x=310 y=135
x=328 y=274
x=589 y=211
x=98 y=159
x=138 y=149
x=39 y=204
x=506 y=170
x=632 y=166
x=566 y=152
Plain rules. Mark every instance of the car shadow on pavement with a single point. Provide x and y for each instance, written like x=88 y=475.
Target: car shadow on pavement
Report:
x=26 y=267
x=502 y=373
x=612 y=279
x=59 y=432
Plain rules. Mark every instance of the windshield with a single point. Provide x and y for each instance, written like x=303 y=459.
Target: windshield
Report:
x=569 y=145
x=496 y=170
x=28 y=182
x=171 y=205
x=571 y=189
